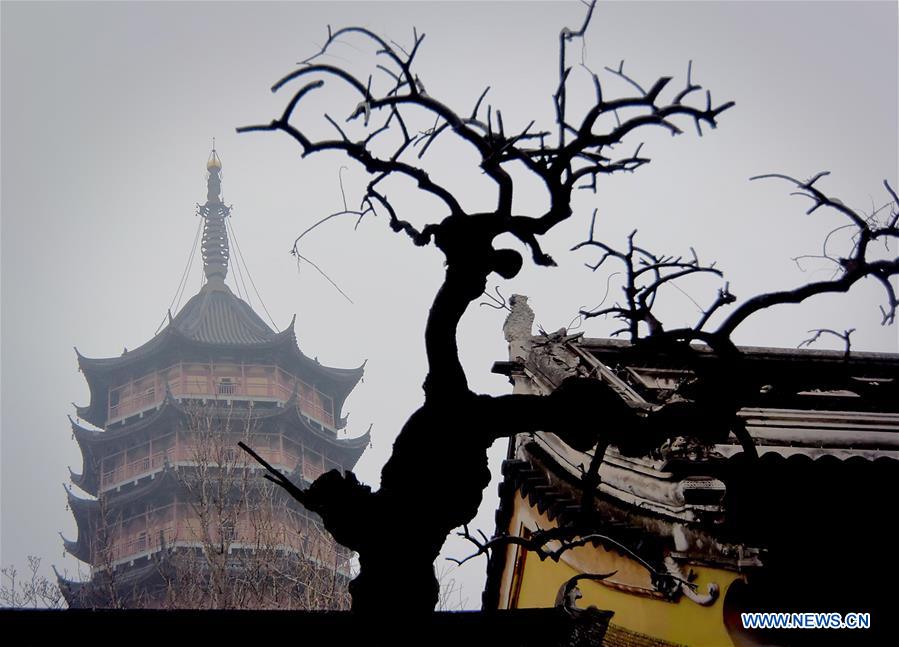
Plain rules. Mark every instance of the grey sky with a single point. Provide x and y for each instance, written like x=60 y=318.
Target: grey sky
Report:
x=108 y=111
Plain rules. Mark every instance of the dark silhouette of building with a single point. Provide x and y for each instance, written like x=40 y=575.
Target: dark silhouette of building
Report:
x=693 y=533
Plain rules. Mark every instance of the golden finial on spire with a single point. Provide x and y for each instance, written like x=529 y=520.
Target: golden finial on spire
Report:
x=214 y=163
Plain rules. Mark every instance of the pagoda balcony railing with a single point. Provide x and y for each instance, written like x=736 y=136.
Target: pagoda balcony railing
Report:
x=219 y=382
x=186 y=454
x=145 y=542
x=290 y=533
x=235 y=457
x=137 y=468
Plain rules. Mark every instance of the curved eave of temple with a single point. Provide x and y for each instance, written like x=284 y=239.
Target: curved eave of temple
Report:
x=542 y=495
x=73 y=591
x=806 y=456
x=79 y=549
x=94 y=367
x=350 y=449
x=81 y=509
x=86 y=481
x=641 y=483
x=338 y=382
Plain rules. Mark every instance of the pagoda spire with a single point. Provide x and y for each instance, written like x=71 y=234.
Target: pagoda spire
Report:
x=216 y=252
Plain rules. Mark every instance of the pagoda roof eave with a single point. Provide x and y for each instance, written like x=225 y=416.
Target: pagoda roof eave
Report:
x=83 y=434
x=98 y=365
x=346 y=376
x=351 y=447
x=89 y=594
x=343 y=379
x=71 y=590
x=86 y=481
x=83 y=509
x=284 y=341
x=89 y=437
x=78 y=549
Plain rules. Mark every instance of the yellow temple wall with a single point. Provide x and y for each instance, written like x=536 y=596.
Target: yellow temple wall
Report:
x=529 y=582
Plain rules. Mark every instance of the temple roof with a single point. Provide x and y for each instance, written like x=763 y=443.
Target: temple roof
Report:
x=221 y=323
x=213 y=317
x=825 y=412
x=216 y=316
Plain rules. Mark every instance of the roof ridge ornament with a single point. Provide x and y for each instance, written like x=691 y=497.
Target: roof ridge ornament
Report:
x=215 y=248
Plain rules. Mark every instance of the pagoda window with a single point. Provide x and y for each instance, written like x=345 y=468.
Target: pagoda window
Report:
x=141 y=542
x=226 y=386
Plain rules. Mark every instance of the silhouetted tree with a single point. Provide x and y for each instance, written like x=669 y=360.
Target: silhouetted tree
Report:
x=399 y=523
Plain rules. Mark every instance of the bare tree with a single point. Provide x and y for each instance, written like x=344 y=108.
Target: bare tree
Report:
x=245 y=544
x=31 y=591
x=424 y=493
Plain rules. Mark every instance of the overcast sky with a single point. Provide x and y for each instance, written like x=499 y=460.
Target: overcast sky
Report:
x=109 y=110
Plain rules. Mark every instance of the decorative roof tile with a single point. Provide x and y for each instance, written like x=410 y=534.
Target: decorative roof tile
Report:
x=216 y=316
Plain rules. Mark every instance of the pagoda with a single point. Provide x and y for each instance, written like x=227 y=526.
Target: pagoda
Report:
x=159 y=446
